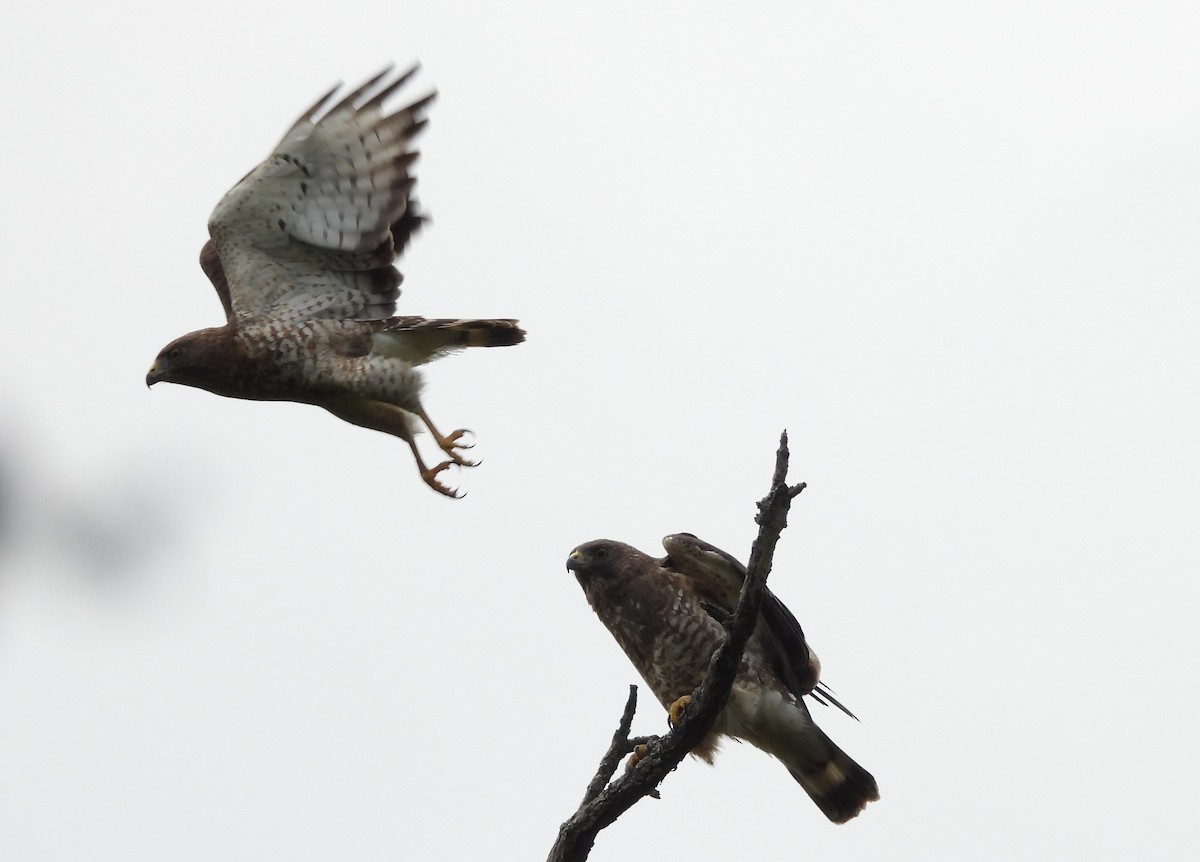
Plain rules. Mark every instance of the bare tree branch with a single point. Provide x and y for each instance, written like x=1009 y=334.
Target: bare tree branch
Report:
x=620 y=746
x=604 y=804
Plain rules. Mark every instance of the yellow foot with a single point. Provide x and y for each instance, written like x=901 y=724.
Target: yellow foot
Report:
x=675 y=711
x=639 y=751
x=430 y=475
x=451 y=446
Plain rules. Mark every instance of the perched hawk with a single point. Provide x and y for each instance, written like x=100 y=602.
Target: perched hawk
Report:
x=301 y=254
x=653 y=609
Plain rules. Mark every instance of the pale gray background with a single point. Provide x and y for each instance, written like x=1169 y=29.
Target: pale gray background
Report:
x=952 y=248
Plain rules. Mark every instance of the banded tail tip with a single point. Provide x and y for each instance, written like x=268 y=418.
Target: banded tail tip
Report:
x=494 y=333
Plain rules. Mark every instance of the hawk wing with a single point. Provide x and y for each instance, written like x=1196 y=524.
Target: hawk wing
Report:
x=720 y=575
x=210 y=262
x=313 y=230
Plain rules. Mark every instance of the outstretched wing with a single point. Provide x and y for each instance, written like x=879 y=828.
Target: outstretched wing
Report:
x=720 y=575
x=313 y=230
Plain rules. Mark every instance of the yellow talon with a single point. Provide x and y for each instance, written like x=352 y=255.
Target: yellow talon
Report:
x=430 y=477
x=675 y=711
x=639 y=751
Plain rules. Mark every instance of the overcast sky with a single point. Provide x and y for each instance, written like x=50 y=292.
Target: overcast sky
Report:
x=952 y=248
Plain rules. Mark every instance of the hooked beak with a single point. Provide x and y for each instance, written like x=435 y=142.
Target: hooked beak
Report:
x=153 y=375
x=575 y=561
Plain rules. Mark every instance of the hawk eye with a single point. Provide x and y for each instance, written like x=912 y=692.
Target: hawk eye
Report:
x=174 y=352
x=602 y=553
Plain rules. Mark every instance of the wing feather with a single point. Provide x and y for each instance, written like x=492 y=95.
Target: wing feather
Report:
x=210 y=262
x=314 y=229
x=720 y=575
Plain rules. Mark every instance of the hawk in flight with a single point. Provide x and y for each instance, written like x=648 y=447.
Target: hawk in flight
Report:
x=301 y=254
x=653 y=609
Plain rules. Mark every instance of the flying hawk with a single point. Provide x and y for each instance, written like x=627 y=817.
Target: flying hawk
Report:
x=301 y=254
x=653 y=609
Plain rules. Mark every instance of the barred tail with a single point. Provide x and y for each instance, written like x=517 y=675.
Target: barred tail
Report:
x=418 y=339
x=489 y=333
x=840 y=787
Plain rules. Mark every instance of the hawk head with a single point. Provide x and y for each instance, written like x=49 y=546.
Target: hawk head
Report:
x=607 y=569
x=207 y=359
x=613 y=575
x=600 y=558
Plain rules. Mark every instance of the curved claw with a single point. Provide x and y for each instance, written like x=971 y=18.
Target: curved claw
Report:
x=455 y=436
x=460 y=460
x=450 y=445
x=429 y=475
